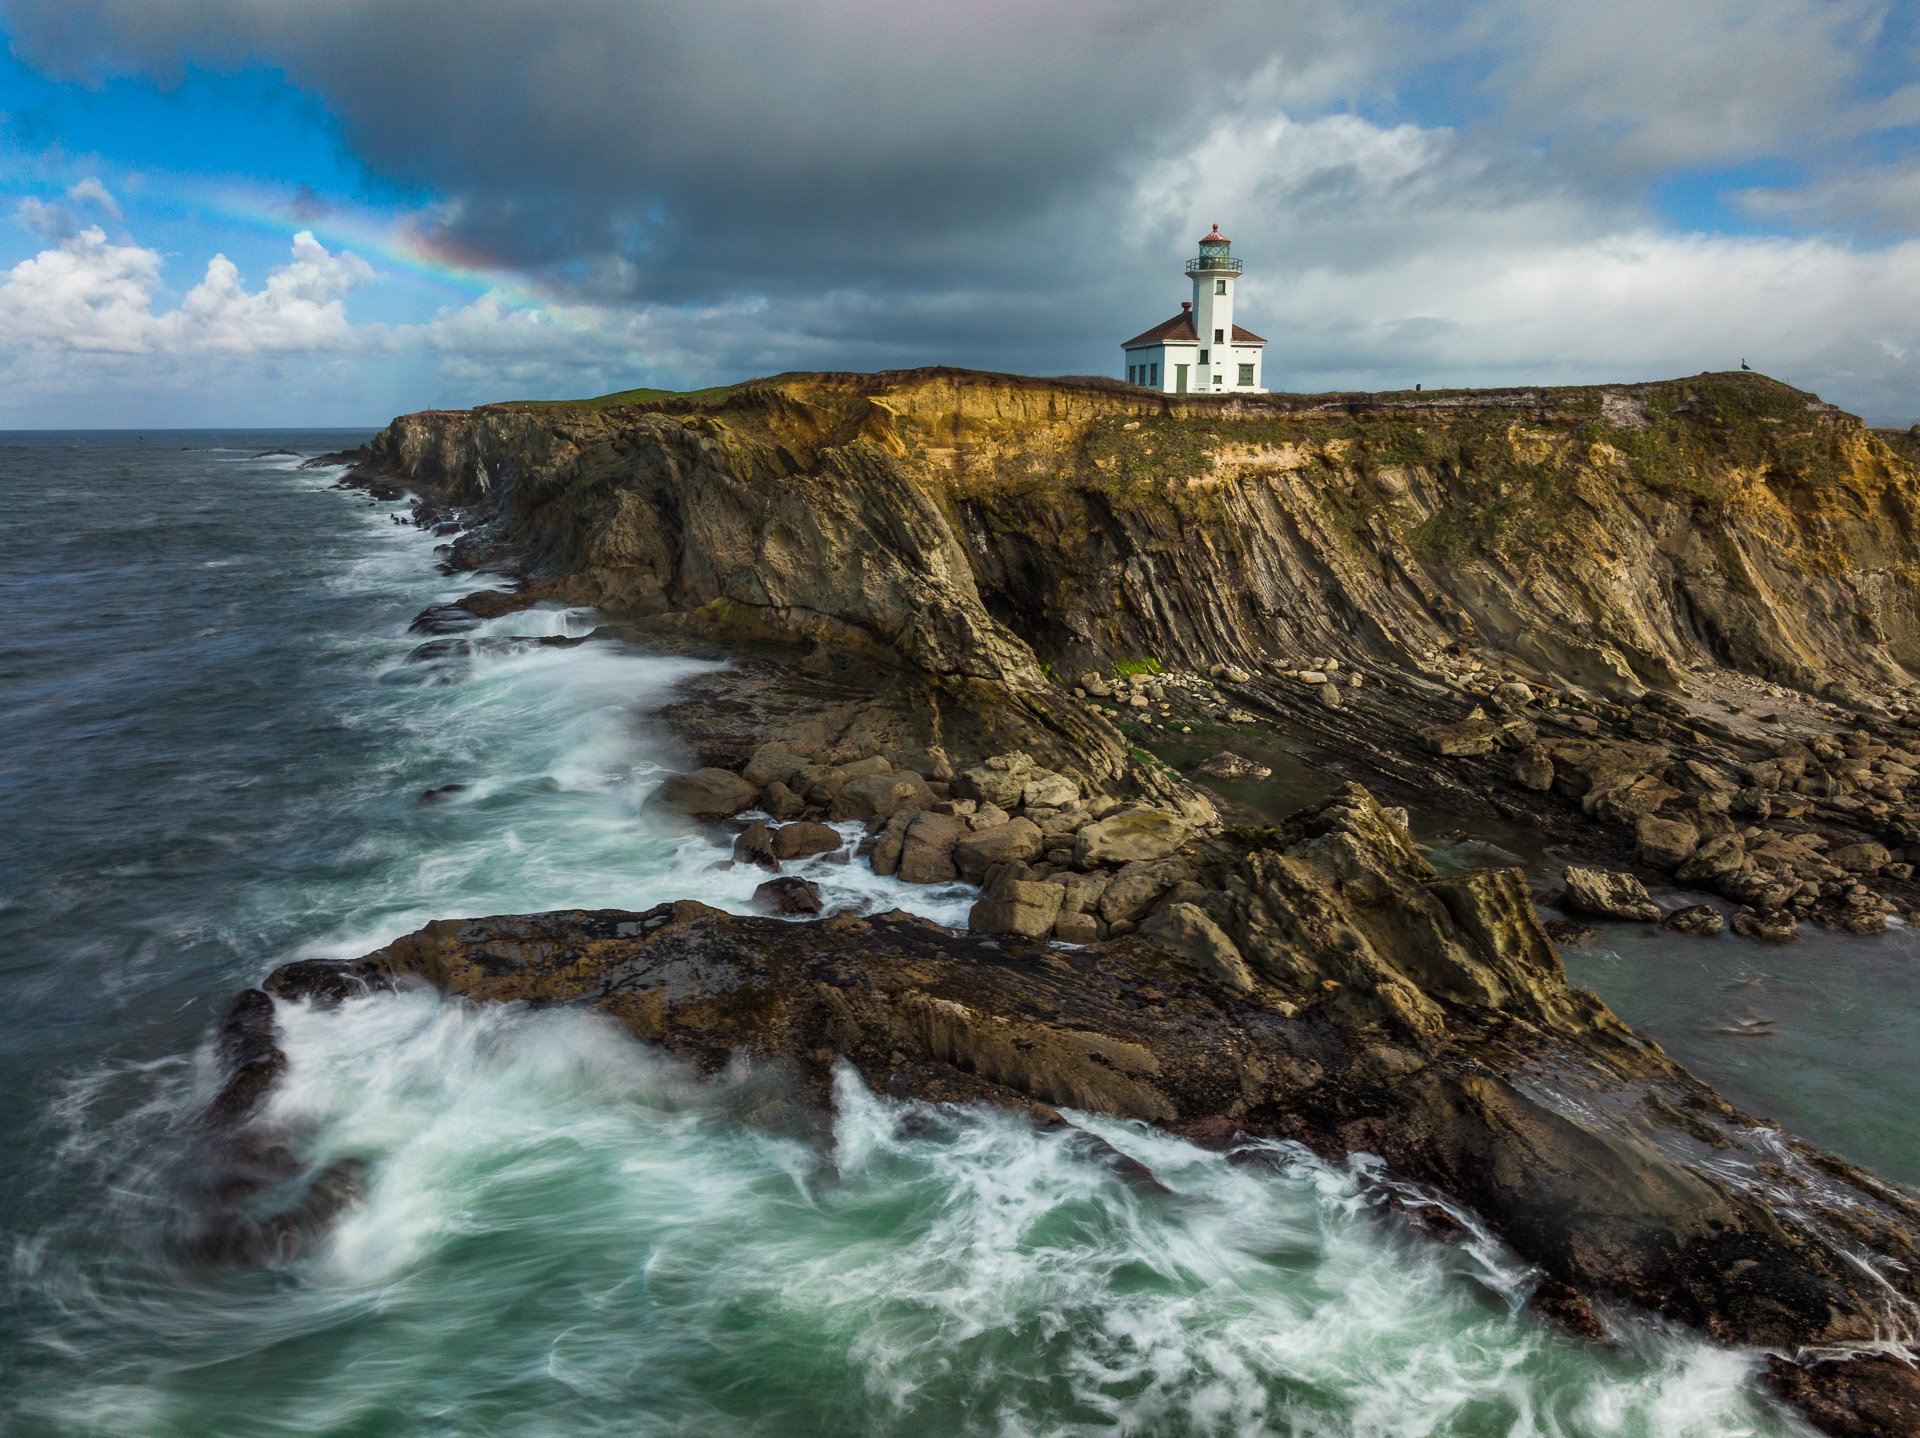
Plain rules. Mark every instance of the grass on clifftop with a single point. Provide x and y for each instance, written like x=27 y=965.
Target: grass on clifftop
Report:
x=715 y=395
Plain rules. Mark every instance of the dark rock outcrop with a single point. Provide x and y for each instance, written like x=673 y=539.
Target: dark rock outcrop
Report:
x=1377 y=1006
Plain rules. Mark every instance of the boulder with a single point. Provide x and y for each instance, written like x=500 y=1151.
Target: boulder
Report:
x=1329 y=696
x=1076 y=928
x=1132 y=891
x=885 y=852
x=804 y=840
x=1016 y=841
x=1775 y=927
x=1533 y=769
x=819 y=784
x=1188 y=930
x=755 y=845
x=880 y=796
x=1629 y=803
x=772 y=764
x=1229 y=765
x=707 y=794
x=781 y=802
x=1466 y=739
x=1592 y=770
x=1606 y=894
x=1015 y=904
x=1665 y=843
x=1700 y=920
x=1569 y=931
x=1717 y=858
x=926 y=852
x=1001 y=780
x=1046 y=789
x=1084 y=892
x=788 y=895
x=1129 y=835
x=867 y=768
x=1864 y=858
x=1513 y=695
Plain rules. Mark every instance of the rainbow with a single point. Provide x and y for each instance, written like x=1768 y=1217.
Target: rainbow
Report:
x=394 y=241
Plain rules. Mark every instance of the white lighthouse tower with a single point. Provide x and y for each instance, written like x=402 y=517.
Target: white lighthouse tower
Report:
x=1201 y=350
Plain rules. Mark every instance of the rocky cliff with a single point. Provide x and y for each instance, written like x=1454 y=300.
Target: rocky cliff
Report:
x=1693 y=605
x=1671 y=623
x=974 y=524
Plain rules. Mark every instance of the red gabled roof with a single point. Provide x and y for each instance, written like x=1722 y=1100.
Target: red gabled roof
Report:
x=1172 y=331
x=1180 y=330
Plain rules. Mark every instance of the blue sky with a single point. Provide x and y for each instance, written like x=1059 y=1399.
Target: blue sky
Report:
x=442 y=203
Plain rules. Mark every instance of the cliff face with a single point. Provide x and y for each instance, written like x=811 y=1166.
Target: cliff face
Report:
x=972 y=525
x=1642 y=556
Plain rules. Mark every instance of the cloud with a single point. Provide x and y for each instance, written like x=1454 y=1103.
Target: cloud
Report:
x=1881 y=198
x=89 y=294
x=56 y=221
x=91 y=192
x=744 y=144
x=708 y=192
x=1629 y=305
x=1385 y=255
x=1650 y=84
x=85 y=294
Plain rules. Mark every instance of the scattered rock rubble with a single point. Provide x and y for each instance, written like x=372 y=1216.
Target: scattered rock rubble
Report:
x=1051 y=861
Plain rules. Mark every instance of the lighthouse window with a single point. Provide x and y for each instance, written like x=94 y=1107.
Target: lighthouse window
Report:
x=1219 y=337
x=1203 y=356
x=1246 y=374
x=1219 y=287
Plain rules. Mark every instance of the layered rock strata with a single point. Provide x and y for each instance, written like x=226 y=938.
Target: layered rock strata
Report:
x=1677 y=616
x=1668 y=625
x=1372 y=1005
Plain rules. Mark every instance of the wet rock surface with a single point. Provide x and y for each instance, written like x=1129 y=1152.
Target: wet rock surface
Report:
x=1376 y=1006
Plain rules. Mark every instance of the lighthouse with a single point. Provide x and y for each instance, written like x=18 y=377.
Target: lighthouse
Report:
x=1200 y=350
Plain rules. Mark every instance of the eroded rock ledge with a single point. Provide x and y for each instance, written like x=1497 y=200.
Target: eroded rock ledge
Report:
x=1672 y=623
x=1386 y=1009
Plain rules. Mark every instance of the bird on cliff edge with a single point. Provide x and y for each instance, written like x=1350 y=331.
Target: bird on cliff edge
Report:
x=1745 y=366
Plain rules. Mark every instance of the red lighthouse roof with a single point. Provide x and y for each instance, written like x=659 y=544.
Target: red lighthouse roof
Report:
x=1214 y=237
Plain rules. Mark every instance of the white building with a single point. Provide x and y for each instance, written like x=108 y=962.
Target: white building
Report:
x=1201 y=350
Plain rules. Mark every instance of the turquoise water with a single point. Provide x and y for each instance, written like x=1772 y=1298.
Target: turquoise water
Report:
x=214 y=749
x=1819 y=1035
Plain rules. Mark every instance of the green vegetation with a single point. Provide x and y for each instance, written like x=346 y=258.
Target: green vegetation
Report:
x=1133 y=668
x=697 y=398
x=1508 y=503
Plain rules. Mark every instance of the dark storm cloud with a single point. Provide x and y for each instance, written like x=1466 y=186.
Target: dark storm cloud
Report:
x=741 y=144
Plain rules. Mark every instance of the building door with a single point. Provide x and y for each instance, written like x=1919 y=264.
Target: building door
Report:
x=1179 y=379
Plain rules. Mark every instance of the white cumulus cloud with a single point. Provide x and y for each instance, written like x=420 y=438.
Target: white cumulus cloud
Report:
x=88 y=293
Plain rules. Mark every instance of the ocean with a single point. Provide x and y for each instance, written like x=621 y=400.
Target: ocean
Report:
x=215 y=742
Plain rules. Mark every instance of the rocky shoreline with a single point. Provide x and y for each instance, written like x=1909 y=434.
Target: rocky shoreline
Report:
x=875 y=549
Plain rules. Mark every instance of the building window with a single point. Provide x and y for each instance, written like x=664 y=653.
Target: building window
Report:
x=1219 y=337
x=1246 y=374
x=1133 y=374
x=1219 y=379
x=1203 y=356
x=1154 y=376
x=1219 y=287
